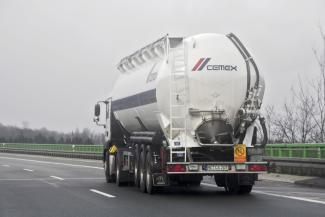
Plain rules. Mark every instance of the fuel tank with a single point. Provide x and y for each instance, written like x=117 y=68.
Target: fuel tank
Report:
x=214 y=82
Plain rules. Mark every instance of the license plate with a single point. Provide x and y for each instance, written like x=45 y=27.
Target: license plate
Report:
x=217 y=167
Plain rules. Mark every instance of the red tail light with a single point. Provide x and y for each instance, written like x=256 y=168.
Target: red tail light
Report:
x=176 y=168
x=257 y=167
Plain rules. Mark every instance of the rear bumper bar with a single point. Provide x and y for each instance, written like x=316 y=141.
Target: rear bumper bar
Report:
x=216 y=168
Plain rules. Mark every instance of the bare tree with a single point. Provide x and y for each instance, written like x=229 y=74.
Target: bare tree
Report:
x=319 y=89
x=269 y=113
x=294 y=122
x=287 y=123
x=302 y=118
x=305 y=109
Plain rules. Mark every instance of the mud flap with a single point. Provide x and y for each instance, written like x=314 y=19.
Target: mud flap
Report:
x=160 y=179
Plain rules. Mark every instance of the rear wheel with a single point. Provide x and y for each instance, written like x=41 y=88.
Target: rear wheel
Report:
x=233 y=189
x=195 y=183
x=136 y=166
x=143 y=171
x=245 y=189
x=149 y=185
x=231 y=184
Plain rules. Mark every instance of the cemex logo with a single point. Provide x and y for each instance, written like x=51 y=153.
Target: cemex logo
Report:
x=203 y=63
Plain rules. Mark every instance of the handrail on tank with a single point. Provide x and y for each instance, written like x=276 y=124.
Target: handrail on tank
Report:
x=153 y=50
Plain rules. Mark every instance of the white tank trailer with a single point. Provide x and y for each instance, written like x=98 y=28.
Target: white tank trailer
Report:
x=183 y=108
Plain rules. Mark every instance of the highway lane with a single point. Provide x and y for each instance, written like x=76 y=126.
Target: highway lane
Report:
x=48 y=186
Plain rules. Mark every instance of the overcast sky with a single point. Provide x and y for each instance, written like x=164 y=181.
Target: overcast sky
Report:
x=58 y=57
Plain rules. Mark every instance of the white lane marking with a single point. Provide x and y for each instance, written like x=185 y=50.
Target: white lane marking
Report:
x=295 y=192
x=37 y=179
x=290 y=197
x=82 y=178
x=102 y=193
x=277 y=195
x=209 y=185
x=44 y=157
x=29 y=170
x=56 y=177
x=6 y=165
x=54 y=163
x=50 y=183
x=40 y=179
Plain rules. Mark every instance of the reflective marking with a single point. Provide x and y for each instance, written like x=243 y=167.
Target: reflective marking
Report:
x=29 y=170
x=54 y=163
x=6 y=165
x=277 y=195
x=56 y=177
x=102 y=193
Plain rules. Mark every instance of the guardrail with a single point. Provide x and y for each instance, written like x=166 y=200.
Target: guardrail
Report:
x=61 y=150
x=315 y=151
x=297 y=159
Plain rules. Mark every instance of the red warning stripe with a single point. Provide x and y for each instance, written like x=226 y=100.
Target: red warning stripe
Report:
x=198 y=64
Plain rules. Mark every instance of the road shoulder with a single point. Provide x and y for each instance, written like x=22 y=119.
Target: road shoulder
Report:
x=310 y=181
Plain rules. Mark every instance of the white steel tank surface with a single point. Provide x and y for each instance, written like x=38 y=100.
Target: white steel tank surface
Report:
x=217 y=86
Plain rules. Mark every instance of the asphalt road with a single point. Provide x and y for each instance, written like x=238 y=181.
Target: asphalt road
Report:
x=47 y=186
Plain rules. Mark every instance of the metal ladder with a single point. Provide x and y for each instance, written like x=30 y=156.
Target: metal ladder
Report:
x=178 y=102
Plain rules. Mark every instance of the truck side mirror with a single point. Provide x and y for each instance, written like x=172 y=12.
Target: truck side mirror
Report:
x=97 y=110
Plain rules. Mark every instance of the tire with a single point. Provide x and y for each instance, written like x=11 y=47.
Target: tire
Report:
x=118 y=170
x=136 y=166
x=109 y=178
x=143 y=171
x=149 y=183
x=234 y=189
x=231 y=184
x=195 y=184
x=245 y=189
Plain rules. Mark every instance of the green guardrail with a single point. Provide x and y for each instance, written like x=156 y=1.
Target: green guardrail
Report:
x=53 y=147
x=316 y=151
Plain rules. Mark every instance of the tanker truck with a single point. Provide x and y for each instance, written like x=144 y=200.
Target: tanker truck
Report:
x=183 y=108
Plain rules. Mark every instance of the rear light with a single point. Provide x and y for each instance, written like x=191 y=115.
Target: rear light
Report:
x=176 y=168
x=257 y=167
